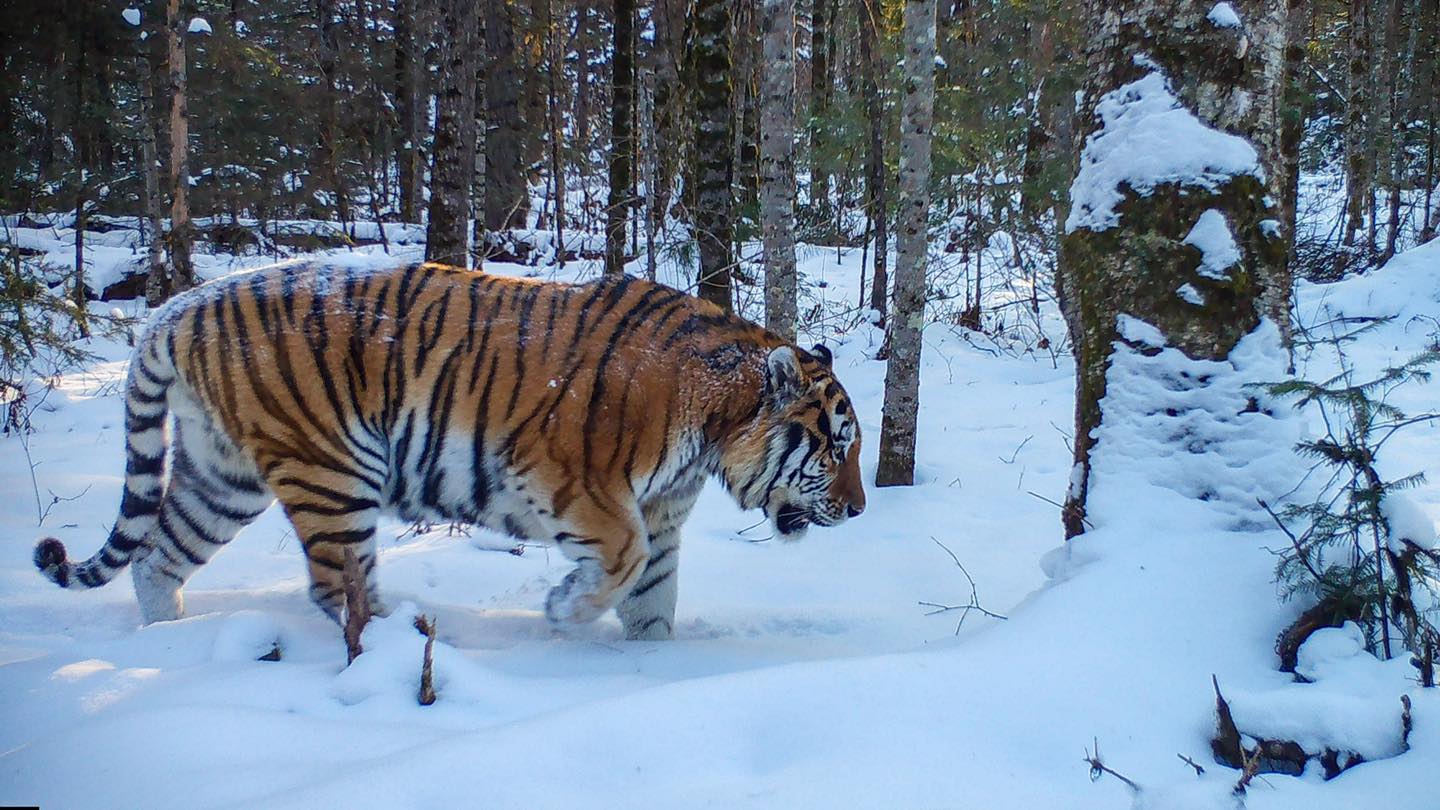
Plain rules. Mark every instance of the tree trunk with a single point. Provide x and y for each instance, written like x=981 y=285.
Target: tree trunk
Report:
x=453 y=166
x=1356 y=132
x=1136 y=257
x=622 y=99
x=777 y=164
x=329 y=47
x=506 y=196
x=714 y=204
x=902 y=370
x=1293 y=111
x=157 y=282
x=1397 y=76
x=182 y=272
x=409 y=70
x=669 y=104
x=877 y=206
x=821 y=79
x=554 y=135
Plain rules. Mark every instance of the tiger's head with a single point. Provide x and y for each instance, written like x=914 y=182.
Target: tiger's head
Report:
x=800 y=460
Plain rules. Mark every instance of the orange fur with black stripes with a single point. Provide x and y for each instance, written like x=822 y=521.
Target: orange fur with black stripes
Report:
x=584 y=415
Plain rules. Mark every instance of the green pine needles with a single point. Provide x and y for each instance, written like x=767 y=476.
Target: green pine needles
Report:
x=1345 y=557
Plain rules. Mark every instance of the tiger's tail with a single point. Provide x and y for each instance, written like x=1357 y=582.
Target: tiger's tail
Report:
x=147 y=386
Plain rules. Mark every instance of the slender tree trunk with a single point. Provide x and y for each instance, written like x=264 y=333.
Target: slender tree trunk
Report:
x=669 y=106
x=777 y=164
x=157 y=282
x=506 y=195
x=1293 y=112
x=1399 y=78
x=552 y=113
x=821 y=16
x=622 y=99
x=1135 y=258
x=409 y=68
x=877 y=206
x=1357 y=170
x=902 y=369
x=714 y=202
x=330 y=112
x=651 y=162
x=182 y=272
x=447 y=236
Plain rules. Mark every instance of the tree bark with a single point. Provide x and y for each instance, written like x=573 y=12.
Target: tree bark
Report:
x=409 y=71
x=821 y=80
x=329 y=52
x=714 y=202
x=157 y=281
x=1293 y=111
x=622 y=99
x=1356 y=132
x=506 y=195
x=777 y=164
x=1231 y=80
x=447 y=235
x=554 y=135
x=902 y=370
x=877 y=205
x=182 y=272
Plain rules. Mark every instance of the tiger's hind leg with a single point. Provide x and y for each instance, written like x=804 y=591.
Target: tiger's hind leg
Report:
x=214 y=491
x=332 y=511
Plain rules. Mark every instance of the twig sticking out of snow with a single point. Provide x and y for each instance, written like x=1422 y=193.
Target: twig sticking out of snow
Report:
x=1199 y=771
x=426 y=626
x=974 y=603
x=357 y=606
x=1099 y=768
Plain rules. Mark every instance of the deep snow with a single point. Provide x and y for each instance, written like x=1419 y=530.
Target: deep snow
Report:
x=804 y=675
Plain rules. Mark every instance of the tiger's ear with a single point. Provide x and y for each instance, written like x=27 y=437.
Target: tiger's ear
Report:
x=822 y=353
x=784 y=380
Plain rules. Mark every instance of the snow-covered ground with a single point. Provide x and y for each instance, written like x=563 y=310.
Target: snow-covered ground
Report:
x=804 y=675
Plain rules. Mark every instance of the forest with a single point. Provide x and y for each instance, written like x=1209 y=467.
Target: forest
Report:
x=1137 y=302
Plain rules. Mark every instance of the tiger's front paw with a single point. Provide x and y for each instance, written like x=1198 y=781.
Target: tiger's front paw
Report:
x=574 y=600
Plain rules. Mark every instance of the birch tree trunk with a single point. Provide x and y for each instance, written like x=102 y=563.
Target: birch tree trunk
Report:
x=182 y=272
x=622 y=99
x=1141 y=256
x=714 y=203
x=777 y=164
x=902 y=369
x=453 y=166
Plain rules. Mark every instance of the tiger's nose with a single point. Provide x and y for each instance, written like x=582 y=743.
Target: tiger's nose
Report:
x=854 y=510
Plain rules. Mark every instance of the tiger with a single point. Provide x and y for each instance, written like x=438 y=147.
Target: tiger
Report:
x=586 y=416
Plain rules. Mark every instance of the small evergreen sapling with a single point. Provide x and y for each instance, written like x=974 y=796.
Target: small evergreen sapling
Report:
x=1346 y=558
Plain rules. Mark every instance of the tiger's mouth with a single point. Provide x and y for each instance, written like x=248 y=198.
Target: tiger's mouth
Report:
x=792 y=521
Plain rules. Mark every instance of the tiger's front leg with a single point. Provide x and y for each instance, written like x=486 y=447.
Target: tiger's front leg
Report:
x=609 y=551
x=648 y=610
